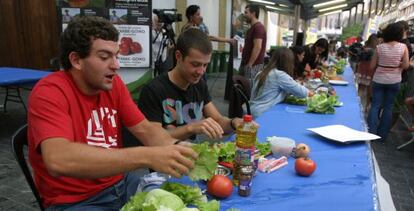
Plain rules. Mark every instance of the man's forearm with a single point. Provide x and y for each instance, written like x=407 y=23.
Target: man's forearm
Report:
x=152 y=134
x=64 y=158
x=254 y=55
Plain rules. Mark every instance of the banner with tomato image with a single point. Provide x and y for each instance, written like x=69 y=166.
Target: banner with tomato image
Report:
x=134 y=49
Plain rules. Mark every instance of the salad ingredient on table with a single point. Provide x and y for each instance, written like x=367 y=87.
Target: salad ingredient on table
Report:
x=156 y=199
x=189 y=194
x=291 y=99
x=301 y=150
x=220 y=186
x=171 y=196
x=226 y=151
x=206 y=164
x=322 y=103
x=305 y=166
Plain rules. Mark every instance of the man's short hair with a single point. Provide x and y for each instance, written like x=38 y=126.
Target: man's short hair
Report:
x=196 y=39
x=254 y=8
x=80 y=33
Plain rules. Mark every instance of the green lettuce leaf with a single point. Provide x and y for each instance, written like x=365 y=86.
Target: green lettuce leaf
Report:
x=189 y=194
x=322 y=103
x=206 y=164
x=135 y=202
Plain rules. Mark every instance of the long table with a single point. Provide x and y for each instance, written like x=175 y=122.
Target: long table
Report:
x=344 y=178
x=12 y=78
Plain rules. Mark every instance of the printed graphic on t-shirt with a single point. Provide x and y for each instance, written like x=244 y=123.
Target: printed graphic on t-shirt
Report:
x=102 y=128
x=174 y=110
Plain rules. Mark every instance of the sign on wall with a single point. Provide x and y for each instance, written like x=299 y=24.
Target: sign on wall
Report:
x=132 y=18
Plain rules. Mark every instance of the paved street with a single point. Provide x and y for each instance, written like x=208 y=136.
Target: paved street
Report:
x=397 y=167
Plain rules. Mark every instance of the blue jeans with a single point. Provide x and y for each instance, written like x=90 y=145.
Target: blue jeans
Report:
x=383 y=96
x=112 y=198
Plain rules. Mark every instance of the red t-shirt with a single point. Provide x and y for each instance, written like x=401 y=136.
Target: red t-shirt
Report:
x=256 y=31
x=57 y=108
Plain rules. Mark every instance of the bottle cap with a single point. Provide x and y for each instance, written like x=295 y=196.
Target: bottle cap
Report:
x=247 y=118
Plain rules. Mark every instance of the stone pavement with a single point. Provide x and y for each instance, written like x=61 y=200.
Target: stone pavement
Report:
x=397 y=167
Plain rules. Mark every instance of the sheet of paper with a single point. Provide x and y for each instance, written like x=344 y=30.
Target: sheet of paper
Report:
x=343 y=133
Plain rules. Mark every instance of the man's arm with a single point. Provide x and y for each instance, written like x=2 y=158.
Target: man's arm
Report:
x=257 y=46
x=65 y=158
x=227 y=124
x=221 y=39
x=152 y=134
x=206 y=126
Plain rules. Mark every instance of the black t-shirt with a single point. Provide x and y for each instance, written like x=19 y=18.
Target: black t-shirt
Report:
x=162 y=101
x=311 y=58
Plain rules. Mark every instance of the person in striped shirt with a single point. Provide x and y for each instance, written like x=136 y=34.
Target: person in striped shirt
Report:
x=389 y=60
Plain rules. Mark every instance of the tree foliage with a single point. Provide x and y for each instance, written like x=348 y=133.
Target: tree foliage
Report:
x=351 y=31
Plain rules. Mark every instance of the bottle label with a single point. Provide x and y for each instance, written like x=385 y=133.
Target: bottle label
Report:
x=245 y=184
x=244 y=156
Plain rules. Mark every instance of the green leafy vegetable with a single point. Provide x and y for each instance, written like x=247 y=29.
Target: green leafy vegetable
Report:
x=226 y=151
x=189 y=194
x=135 y=202
x=264 y=148
x=322 y=103
x=161 y=199
x=206 y=163
x=295 y=100
x=212 y=205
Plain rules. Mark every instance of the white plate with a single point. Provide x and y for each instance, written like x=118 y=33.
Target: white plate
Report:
x=341 y=133
x=338 y=82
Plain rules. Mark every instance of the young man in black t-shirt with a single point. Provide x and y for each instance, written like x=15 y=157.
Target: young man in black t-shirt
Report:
x=179 y=100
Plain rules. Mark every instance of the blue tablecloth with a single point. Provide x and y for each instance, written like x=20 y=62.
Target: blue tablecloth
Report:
x=344 y=178
x=18 y=76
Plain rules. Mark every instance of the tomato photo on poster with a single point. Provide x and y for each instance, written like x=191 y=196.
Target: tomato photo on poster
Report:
x=134 y=49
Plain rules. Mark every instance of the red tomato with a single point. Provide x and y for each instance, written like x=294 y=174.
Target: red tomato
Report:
x=124 y=49
x=220 y=186
x=126 y=40
x=318 y=74
x=305 y=166
x=136 y=47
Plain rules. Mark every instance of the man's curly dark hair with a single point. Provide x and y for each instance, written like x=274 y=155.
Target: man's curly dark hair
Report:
x=80 y=33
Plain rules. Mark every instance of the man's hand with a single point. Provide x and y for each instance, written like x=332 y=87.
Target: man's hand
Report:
x=208 y=127
x=174 y=160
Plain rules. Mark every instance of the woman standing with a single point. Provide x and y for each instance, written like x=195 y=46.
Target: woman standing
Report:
x=389 y=60
x=275 y=82
x=194 y=20
x=364 y=71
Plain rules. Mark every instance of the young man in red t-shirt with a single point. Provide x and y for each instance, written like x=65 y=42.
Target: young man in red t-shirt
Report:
x=74 y=127
x=254 y=44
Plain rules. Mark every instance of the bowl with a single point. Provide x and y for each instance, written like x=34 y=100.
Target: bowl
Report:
x=281 y=146
x=222 y=170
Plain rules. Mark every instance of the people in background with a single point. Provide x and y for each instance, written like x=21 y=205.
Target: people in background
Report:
x=194 y=20
x=254 y=43
x=299 y=53
x=275 y=82
x=332 y=52
x=74 y=127
x=66 y=17
x=179 y=101
x=203 y=26
x=364 y=71
x=342 y=53
x=407 y=43
x=354 y=52
x=389 y=60
x=315 y=54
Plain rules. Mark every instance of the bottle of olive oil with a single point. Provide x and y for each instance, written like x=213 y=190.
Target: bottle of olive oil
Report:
x=245 y=146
